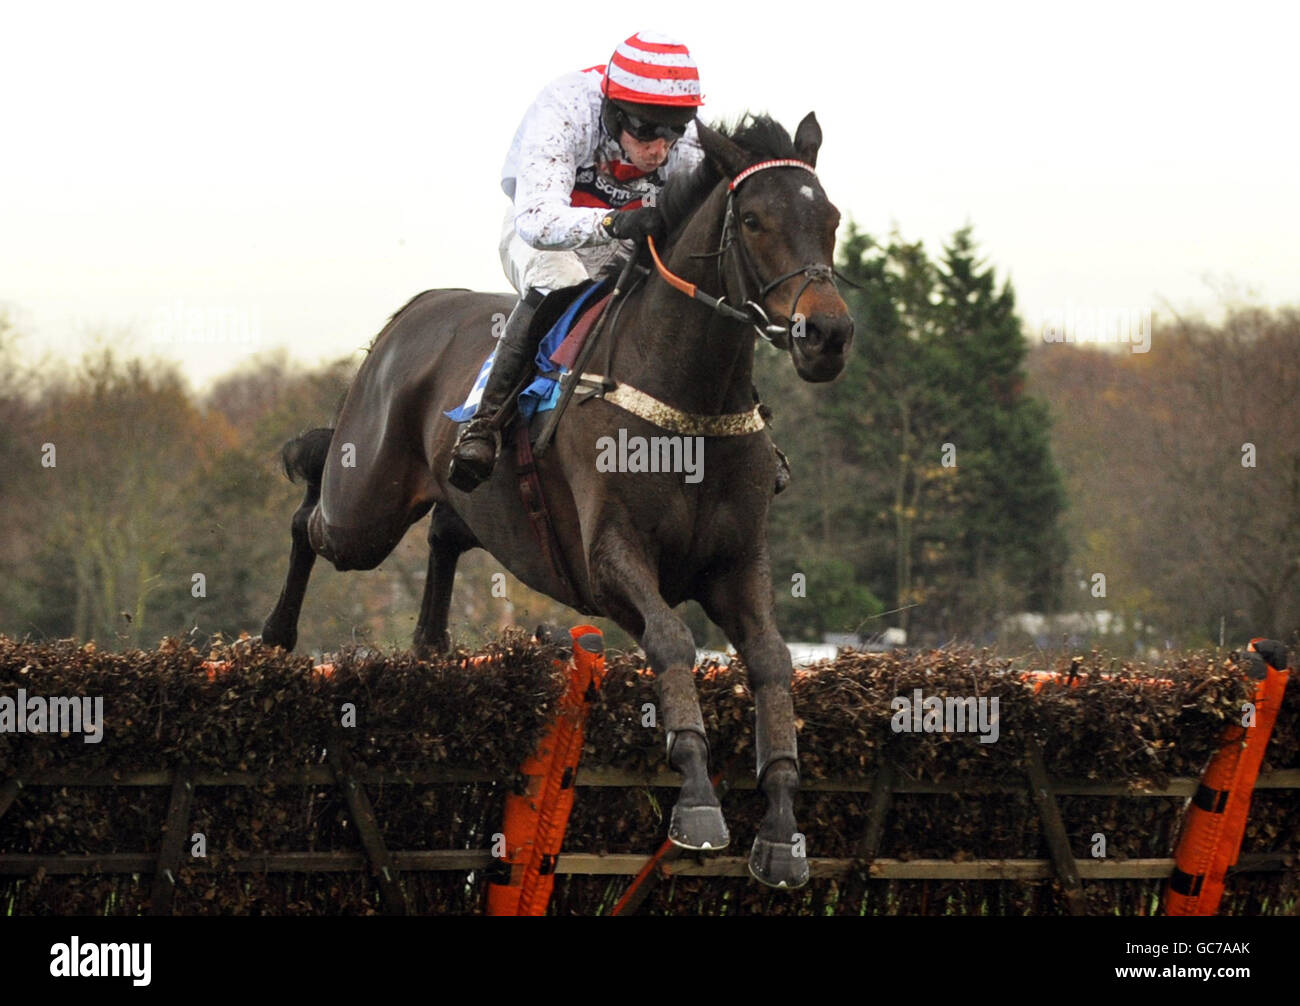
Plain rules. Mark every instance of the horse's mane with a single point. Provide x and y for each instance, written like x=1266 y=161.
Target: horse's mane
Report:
x=760 y=136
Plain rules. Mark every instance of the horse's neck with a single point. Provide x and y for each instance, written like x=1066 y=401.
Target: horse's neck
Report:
x=673 y=347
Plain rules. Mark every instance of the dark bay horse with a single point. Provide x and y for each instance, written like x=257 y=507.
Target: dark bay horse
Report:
x=636 y=543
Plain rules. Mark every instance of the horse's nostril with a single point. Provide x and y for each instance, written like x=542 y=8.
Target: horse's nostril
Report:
x=828 y=335
x=841 y=332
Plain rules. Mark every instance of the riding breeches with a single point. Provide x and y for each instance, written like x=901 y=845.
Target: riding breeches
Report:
x=530 y=268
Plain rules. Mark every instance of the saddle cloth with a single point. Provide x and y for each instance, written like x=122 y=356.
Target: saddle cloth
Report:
x=555 y=356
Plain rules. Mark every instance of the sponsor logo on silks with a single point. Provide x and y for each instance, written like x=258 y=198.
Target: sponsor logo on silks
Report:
x=58 y=714
x=75 y=959
x=651 y=454
x=608 y=191
x=934 y=714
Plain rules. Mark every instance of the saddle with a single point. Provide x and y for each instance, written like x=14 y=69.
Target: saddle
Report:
x=555 y=304
x=566 y=317
x=567 y=322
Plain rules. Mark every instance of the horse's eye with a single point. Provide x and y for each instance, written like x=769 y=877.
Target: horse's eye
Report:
x=750 y=221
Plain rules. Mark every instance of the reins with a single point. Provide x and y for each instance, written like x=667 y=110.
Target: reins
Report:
x=718 y=304
x=751 y=311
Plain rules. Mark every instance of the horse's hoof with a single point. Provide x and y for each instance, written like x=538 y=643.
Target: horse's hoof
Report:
x=428 y=648
x=775 y=864
x=271 y=639
x=698 y=828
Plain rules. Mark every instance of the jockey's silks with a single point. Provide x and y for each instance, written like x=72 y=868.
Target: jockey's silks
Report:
x=564 y=173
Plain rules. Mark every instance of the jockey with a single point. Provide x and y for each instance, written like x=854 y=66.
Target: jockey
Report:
x=590 y=156
x=584 y=170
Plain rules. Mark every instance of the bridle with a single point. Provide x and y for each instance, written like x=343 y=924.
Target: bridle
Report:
x=751 y=311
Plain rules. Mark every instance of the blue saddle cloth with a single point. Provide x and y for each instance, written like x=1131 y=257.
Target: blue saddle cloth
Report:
x=544 y=392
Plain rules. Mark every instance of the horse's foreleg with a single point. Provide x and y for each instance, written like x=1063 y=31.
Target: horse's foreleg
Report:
x=281 y=628
x=449 y=538
x=628 y=591
x=741 y=605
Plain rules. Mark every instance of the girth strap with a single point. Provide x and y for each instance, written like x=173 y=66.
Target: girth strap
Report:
x=665 y=416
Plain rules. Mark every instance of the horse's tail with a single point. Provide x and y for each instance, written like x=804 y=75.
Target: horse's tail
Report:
x=305 y=455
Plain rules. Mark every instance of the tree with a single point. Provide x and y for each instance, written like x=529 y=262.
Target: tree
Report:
x=1184 y=467
x=1010 y=547
x=124 y=445
x=931 y=474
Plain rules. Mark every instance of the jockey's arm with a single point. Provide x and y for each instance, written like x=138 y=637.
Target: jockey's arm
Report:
x=555 y=138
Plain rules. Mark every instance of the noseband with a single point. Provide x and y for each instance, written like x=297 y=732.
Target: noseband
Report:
x=751 y=311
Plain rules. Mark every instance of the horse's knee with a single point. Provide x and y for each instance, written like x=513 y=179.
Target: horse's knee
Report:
x=668 y=643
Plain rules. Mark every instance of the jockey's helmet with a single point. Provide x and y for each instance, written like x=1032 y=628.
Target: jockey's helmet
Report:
x=651 y=88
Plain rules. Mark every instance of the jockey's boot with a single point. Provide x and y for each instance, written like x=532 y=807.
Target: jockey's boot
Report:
x=475 y=453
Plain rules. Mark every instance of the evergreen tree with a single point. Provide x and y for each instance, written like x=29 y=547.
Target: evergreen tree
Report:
x=923 y=474
x=1011 y=547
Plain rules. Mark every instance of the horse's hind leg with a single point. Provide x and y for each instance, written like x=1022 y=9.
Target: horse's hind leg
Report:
x=628 y=592
x=740 y=602
x=303 y=456
x=449 y=538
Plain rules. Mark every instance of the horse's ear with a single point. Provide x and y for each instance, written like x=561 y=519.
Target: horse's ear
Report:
x=726 y=157
x=808 y=138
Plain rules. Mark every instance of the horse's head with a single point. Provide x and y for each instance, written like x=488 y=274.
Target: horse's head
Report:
x=779 y=241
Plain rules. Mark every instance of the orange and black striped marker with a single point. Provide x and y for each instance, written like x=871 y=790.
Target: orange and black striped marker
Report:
x=1216 y=817
x=536 y=819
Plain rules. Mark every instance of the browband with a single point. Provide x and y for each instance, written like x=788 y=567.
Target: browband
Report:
x=784 y=162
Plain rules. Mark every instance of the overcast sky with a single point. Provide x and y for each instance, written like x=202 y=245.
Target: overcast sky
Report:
x=295 y=173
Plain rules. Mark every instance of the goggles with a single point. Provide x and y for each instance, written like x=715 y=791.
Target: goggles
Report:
x=647 y=132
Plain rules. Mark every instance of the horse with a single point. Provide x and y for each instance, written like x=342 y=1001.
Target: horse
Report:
x=752 y=223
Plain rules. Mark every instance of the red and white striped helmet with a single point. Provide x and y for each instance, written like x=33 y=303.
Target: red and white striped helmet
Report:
x=652 y=69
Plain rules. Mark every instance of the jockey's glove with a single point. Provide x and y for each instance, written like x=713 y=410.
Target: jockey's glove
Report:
x=635 y=225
